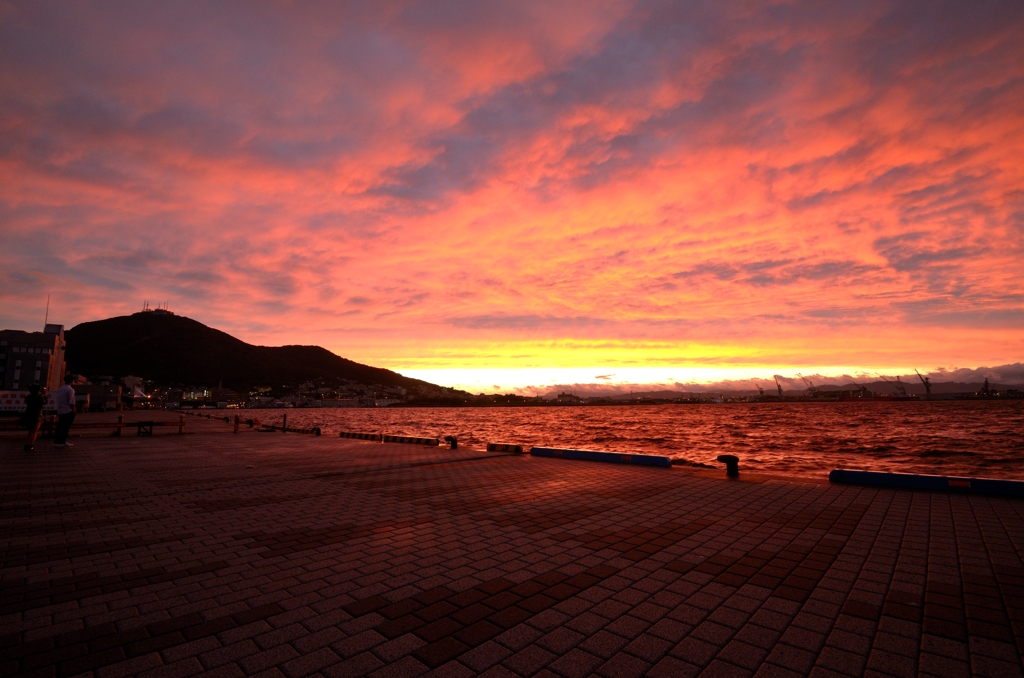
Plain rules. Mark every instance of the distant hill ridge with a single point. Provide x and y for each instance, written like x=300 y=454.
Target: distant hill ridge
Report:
x=877 y=387
x=175 y=350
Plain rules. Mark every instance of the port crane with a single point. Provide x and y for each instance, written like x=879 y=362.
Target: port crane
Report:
x=811 y=388
x=898 y=385
x=760 y=391
x=926 y=381
x=863 y=389
x=778 y=386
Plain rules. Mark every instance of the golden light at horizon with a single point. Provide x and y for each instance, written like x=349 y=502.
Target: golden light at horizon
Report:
x=542 y=380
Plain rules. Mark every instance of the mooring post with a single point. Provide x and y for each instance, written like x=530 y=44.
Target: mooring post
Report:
x=181 y=423
x=732 y=465
x=284 y=424
x=236 y=423
x=120 y=425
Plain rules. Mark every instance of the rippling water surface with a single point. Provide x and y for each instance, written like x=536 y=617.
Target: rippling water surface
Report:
x=808 y=439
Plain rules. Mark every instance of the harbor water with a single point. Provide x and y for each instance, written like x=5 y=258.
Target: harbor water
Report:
x=801 y=439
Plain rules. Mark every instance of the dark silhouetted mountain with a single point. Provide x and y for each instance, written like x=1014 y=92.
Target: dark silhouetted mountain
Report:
x=175 y=350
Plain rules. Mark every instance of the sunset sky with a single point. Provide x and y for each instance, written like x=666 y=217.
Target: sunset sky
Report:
x=504 y=195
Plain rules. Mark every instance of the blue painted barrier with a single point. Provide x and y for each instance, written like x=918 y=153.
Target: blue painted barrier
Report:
x=613 y=457
x=913 y=481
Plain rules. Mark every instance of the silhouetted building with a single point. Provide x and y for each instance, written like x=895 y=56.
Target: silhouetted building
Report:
x=226 y=396
x=28 y=358
x=102 y=397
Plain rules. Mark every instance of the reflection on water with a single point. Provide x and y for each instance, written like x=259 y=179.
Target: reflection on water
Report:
x=949 y=437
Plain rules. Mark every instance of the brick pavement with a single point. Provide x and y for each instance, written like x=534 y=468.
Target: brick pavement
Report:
x=278 y=554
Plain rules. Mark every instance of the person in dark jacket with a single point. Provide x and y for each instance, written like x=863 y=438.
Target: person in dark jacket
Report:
x=33 y=413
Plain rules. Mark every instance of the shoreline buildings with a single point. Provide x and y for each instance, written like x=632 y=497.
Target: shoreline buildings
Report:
x=28 y=358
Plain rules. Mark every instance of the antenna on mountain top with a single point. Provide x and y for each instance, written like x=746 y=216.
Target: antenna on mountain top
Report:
x=46 y=319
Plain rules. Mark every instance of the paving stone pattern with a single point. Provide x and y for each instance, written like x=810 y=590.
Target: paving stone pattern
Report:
x=289 y=555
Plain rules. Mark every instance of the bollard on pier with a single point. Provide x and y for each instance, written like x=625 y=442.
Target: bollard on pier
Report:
x=732 y=465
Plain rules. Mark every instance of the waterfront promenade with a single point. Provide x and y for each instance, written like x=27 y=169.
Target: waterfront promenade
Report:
x=277 y=554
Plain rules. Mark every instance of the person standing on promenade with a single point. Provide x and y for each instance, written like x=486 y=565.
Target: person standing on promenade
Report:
x=33 y=411
x=65 y=398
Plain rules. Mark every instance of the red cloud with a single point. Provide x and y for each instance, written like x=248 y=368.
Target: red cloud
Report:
x=803 y=183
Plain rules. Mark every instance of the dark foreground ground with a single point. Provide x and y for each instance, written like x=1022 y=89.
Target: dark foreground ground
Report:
x=281 y=554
